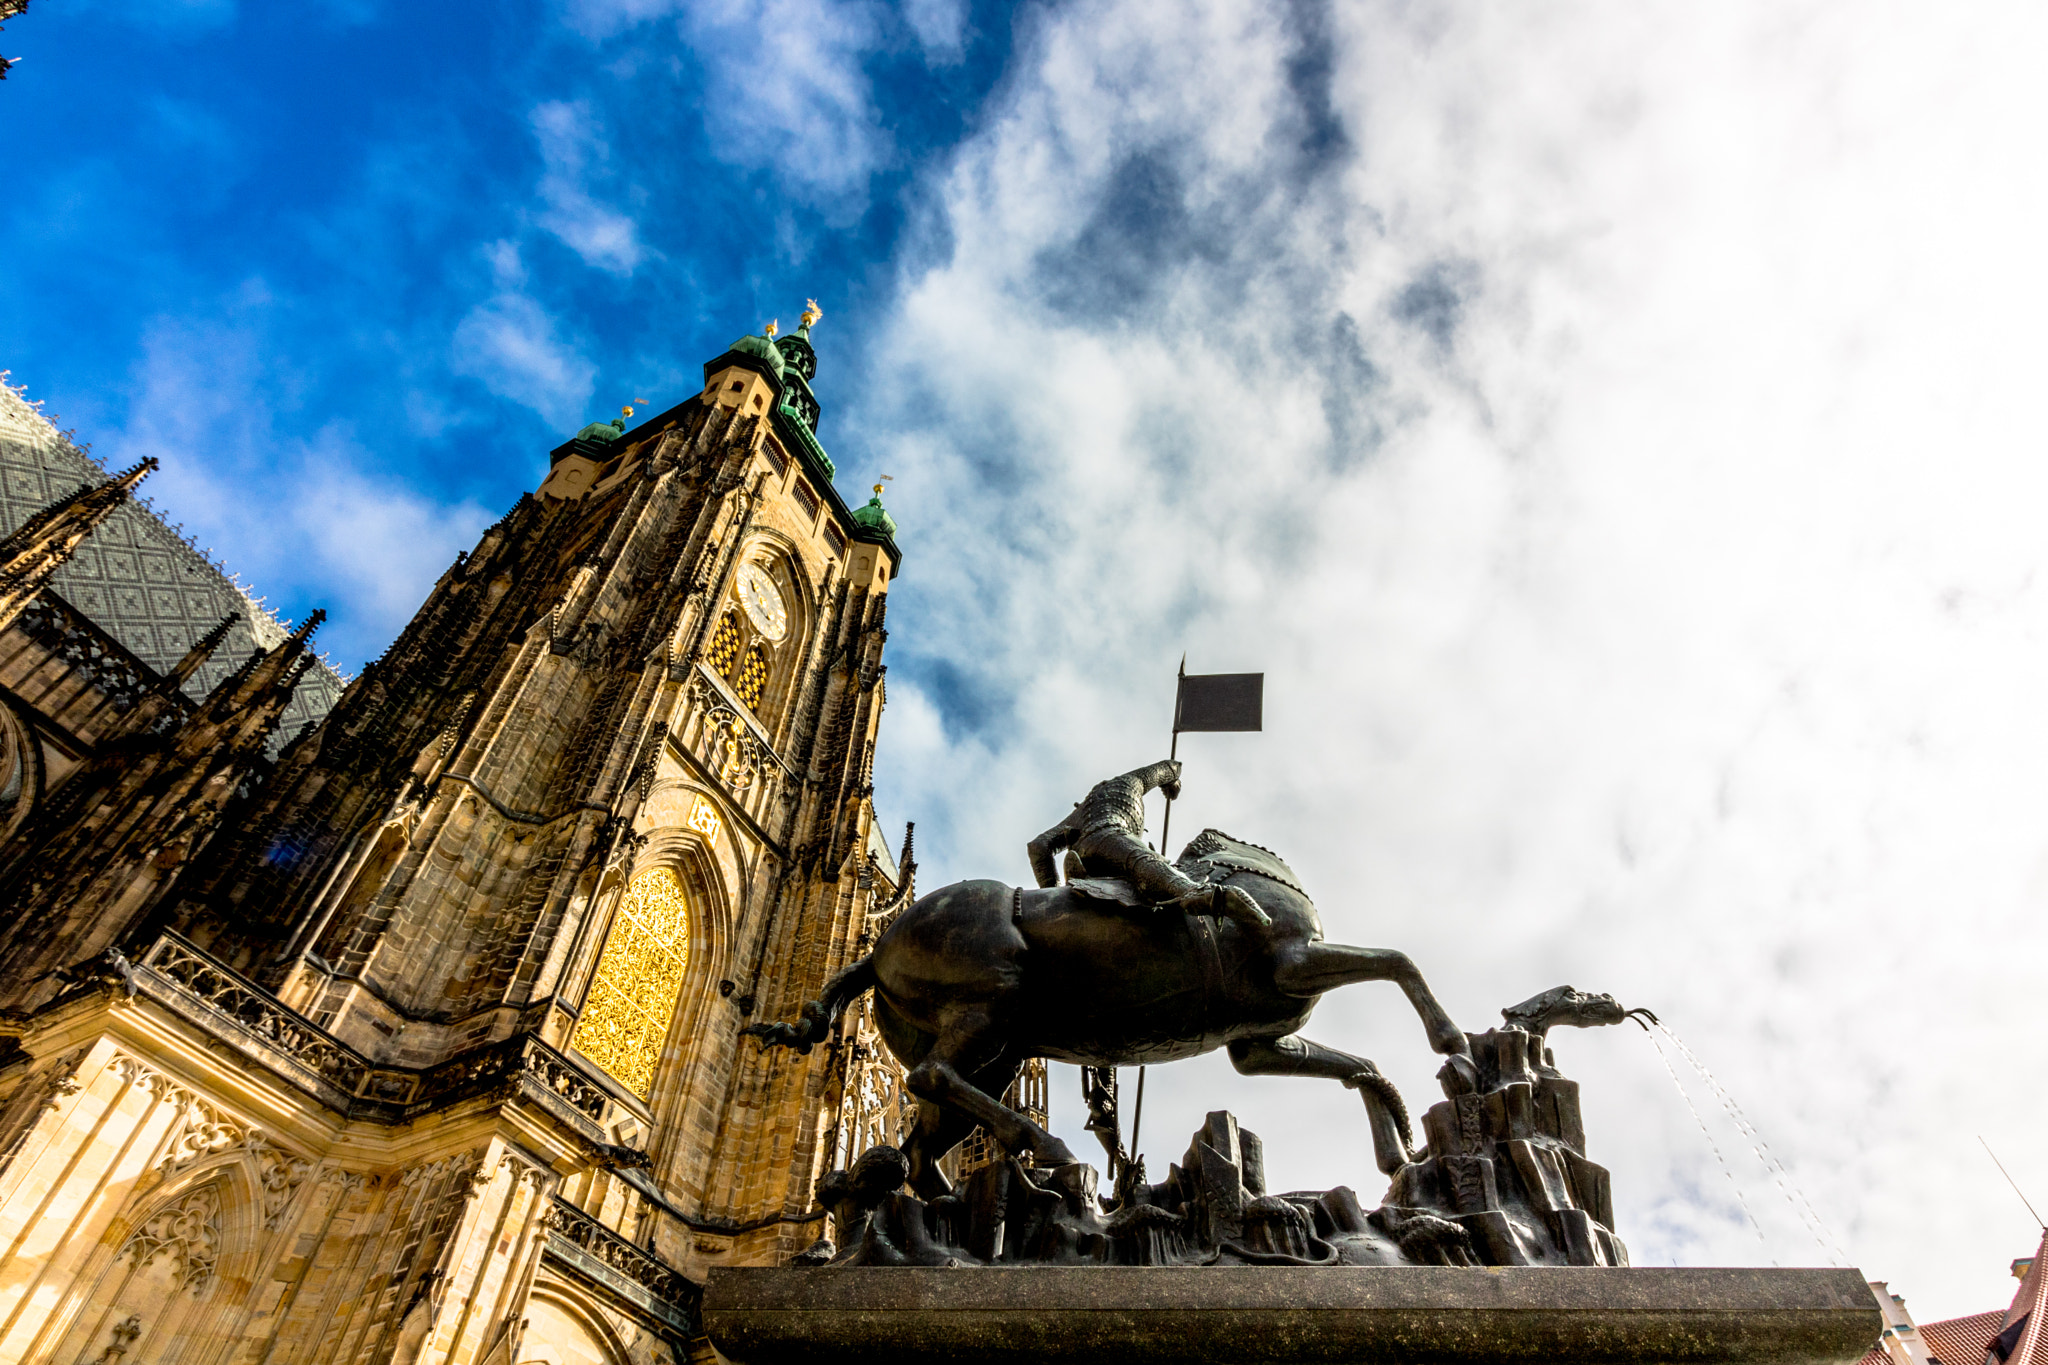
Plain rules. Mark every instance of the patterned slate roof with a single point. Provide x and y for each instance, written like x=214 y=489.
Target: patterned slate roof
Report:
x=137 y=578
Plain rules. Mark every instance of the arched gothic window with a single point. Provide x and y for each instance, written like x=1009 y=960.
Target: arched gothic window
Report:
x=639 y=980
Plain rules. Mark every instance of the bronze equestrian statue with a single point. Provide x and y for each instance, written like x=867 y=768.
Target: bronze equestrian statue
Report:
x=976 y=977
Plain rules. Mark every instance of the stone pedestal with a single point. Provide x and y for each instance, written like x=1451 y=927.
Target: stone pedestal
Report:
x=1287 y=1315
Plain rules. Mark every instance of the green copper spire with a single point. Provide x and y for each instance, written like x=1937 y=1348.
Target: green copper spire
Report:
x=874 y=517
x=796 y=348
x=762 y=347
x=608 y=431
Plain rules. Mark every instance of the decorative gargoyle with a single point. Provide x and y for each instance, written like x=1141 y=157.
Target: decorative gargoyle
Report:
x=1569 y=1005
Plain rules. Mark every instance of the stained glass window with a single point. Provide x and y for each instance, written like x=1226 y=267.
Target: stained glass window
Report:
x=725 y=645
x=753 y=678
x=639 y=977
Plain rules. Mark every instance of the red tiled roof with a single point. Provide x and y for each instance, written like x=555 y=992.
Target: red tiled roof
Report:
x=1955 y=1341
x=1961 y=1341
x=2029 y=1313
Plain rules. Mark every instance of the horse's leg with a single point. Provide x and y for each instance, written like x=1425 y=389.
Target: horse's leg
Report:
x=965 y=1038
x=1308 y=969
x=938 y=1130
x=1297 y=1056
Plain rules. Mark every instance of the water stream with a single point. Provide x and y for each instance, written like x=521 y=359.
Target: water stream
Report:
x=1802 y=1208
x=1712 y=1145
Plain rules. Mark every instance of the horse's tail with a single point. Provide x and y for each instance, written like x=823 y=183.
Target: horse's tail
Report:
x=819 y=1015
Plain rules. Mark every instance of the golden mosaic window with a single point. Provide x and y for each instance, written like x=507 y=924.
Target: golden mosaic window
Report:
x=725 y=645
x=639 y=979
x=753 y=678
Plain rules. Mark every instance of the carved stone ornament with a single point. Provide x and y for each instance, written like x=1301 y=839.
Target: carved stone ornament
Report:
x=187 y=1229
x=734 y=754
x=200 y=1132
x=39 y=1095
x=579 y=1229
x=119 y=1338
x=432 y=1172
x=282 y=1176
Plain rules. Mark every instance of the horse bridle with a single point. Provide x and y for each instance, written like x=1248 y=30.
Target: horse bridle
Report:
x=1225 y=860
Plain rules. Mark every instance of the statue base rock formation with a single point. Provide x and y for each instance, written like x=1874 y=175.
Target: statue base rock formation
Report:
x=1504 y=1180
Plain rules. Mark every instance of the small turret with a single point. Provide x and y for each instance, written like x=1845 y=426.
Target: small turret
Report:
x=874 y=517
x=762 y=348
x=796 y=348
x=113 y=843
x=607 y=432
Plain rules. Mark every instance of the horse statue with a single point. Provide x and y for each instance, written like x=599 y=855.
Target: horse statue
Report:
x=975 y=978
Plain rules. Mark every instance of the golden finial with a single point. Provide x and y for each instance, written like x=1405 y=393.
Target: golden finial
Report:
x=773 y=324
x=812 y=313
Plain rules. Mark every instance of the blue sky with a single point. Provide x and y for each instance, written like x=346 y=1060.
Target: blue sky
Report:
x=1611 y=428
x=427 y=244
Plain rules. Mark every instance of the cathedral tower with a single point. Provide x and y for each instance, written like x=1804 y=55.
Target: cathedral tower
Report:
x=433 y=1052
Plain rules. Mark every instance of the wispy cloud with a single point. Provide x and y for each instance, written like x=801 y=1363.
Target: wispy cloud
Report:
x=785 y=89
x=574 y=151
x=511 y=345
x=311 y=521
x=940 y=27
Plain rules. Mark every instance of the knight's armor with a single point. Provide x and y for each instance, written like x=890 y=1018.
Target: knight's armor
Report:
x=1104 y=834
x=1120 y=801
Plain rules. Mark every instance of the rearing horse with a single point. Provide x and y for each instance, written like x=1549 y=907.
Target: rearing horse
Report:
x=976 y=977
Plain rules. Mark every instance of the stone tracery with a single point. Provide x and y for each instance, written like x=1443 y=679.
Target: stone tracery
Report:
x=187 y=1229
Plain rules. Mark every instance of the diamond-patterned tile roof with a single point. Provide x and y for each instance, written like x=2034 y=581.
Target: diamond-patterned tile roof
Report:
x=139 y=580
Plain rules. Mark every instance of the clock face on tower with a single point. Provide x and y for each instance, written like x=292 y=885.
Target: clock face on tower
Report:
x=763 y=601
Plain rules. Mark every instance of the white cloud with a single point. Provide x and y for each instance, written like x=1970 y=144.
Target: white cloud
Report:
x=1613 y=434
x=509 y=344
x=314 y=522
x=940 y=27
x=573 y=151
x=786 y=90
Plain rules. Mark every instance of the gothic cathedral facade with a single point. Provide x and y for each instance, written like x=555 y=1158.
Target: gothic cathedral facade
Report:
x=415 y=1036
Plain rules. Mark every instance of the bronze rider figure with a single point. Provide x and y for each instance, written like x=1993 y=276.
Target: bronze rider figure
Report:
x=1105 y=835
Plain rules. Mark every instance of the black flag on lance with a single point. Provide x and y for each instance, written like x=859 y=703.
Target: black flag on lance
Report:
x=1220 y=701
x=1204 y=701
